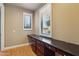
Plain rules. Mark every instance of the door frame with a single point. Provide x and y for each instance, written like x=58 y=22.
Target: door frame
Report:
x=2 y=26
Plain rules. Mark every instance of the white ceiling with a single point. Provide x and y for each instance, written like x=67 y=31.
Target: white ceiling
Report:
x=30 y=6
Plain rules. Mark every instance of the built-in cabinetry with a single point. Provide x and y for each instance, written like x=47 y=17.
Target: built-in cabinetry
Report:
x=37 y=46
x=44 y=46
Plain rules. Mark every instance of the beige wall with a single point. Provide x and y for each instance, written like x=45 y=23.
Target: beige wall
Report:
x=65 y=18
x=66 y=22
x=14 y=33
x=36 y=18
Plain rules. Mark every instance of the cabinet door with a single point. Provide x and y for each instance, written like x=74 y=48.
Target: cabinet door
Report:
x=29 y=39
x=33 y=44
x=40 y=48
x=59 y=53
x=39 y=53
x=33 y=47
x=49 y=50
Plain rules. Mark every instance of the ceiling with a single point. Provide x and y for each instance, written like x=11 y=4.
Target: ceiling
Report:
x=30 y=6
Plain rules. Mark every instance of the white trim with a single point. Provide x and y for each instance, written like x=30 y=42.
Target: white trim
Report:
x=11 y=47
x=30 y=14
x=2 y=26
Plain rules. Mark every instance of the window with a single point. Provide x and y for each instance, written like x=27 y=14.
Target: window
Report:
x=45 y=23
x=27 y=21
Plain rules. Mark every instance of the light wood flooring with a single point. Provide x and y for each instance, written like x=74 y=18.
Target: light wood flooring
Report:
x=20 y=51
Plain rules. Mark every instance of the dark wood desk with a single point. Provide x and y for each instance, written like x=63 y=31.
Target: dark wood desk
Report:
x=44 y=46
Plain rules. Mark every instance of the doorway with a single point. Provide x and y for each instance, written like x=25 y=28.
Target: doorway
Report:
x=1 y=26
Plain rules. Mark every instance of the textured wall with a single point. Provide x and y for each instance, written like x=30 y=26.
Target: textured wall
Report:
x=66 y=22
x=14 y=33
x=65 y=18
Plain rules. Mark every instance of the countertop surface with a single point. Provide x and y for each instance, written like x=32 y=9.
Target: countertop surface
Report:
x=65 y=46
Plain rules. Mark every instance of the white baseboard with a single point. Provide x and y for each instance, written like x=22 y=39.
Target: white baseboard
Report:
x=11 y=47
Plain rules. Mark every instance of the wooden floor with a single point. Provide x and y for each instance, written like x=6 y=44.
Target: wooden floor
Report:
x=20 y=51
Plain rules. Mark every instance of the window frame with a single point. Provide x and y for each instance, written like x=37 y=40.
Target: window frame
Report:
x=40 y=12
x=29 y=14
x=42 y=21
